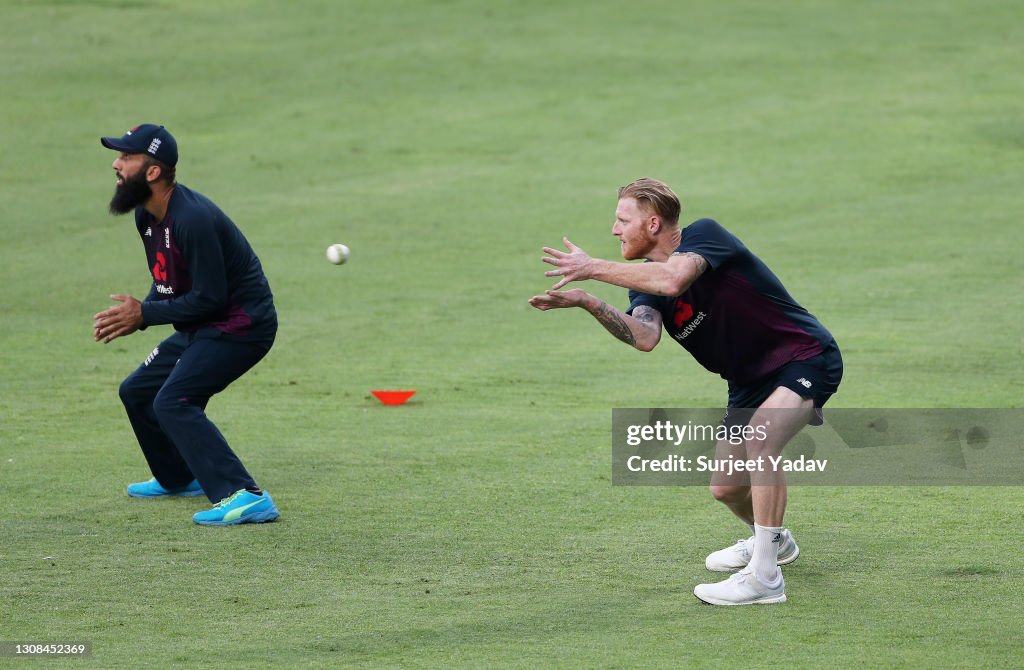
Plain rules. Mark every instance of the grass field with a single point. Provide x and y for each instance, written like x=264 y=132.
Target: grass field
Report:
x=872 y=153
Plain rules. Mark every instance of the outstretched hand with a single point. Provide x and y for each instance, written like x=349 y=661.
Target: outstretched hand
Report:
x=122 y=319
x=576 y=265
x=553 y=299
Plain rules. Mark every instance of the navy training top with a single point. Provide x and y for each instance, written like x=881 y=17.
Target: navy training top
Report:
x=737 y=319
x=206 y=277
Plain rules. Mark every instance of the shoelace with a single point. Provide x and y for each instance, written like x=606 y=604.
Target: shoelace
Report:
x=227 y=500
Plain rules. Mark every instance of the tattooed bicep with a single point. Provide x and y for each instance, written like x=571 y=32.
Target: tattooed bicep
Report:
x=647 y=314
x=697 y=259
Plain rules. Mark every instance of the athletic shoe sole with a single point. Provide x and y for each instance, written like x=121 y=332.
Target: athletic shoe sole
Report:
x=796 y=555
x=256 y=517
x=771 y=600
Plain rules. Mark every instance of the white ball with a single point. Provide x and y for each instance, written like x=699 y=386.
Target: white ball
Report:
x=337 y=253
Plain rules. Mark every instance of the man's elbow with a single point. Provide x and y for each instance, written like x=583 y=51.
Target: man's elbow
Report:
x=675 y=284
x=671 y=283
x=209 y=303
x=646 y=344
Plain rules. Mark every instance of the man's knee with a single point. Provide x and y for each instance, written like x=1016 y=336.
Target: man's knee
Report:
x=133 y=394
x=730 y=493
x=167 y=407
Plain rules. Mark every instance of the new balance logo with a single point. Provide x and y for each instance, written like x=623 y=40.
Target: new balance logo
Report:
x=803 y=381
x=777 y=538
x=149 y=232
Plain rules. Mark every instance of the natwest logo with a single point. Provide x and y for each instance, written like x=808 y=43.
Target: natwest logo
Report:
x=684 y=312
x=690 y=327
x=160 y=268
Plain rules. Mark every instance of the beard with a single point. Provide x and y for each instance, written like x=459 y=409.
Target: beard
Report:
x=133 y=192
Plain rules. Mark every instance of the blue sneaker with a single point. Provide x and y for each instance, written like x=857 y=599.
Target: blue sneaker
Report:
x=240 y=507
x=152 y=489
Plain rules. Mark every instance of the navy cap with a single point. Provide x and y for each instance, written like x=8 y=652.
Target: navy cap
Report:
x=148 y=139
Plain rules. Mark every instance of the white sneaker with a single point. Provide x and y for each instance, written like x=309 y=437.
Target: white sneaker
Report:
x=738 y=555
x=742 y=588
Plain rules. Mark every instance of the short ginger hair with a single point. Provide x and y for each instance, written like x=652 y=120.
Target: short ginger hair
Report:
x=654 y=196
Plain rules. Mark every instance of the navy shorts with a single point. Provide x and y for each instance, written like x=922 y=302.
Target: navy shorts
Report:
x=817 y=377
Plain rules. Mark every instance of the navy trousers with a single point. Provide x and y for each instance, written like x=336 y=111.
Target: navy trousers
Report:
x=166 y=401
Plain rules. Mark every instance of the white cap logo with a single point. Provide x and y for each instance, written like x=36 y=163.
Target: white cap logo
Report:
x=153 y=146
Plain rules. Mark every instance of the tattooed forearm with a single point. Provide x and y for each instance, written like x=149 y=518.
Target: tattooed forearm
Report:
x=613 y=323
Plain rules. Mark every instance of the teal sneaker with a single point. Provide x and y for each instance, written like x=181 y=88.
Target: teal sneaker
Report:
x=240 y=507
x=152 y=489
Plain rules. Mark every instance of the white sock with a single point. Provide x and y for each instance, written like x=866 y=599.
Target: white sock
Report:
x=766 y=553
